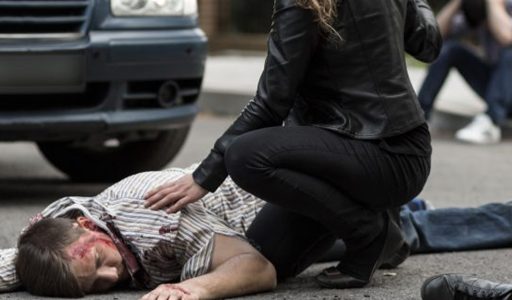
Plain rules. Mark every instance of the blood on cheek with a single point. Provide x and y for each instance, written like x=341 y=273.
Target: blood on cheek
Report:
x=106 y=242
x=81 y=250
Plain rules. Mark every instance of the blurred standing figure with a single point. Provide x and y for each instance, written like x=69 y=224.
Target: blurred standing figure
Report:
x=334 y=134
x=488 y=74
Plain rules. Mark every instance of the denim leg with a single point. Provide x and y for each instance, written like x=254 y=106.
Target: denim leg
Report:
x=499 y=93
x=453 y=54
x=458 y=229
x=410 y=233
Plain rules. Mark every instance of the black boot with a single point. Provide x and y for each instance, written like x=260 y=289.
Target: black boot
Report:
x=403 y=253
x=396 y=258
x=364 y=263
x=464 y=287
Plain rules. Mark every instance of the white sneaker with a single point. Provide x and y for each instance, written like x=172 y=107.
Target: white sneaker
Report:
x=480 y=131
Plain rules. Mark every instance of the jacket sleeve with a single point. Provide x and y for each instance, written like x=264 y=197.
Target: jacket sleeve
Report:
x=291 y=43
x=421 y=36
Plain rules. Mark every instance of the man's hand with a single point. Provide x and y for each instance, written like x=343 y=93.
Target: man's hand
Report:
x=496 y=2
x=171 y=292
x=499 y=22
x=175 y=195
x=456 y=3
x=445 y=16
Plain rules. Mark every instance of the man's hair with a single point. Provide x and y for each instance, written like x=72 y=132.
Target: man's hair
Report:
x=42 y=264
x=475 y=11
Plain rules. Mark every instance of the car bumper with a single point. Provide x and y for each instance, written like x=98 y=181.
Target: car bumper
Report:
x=115 y=55
x=120 y=73
x=47 y=127
x=131 y=55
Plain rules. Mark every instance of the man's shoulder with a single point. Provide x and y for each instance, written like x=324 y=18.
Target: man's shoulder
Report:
x=136 y=186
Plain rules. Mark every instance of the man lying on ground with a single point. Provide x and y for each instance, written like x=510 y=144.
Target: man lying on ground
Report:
x=103 y=241
x=83 y=245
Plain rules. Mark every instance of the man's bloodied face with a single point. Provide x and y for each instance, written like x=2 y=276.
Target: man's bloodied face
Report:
x=95 y=260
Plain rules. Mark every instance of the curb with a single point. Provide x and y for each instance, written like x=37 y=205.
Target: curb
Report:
x=222 y=103
x=231 y=104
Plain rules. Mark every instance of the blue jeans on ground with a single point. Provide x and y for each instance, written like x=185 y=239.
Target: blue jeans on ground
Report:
x=492 y=82
x=458 y=229
x=450 y=229
x=298 y=241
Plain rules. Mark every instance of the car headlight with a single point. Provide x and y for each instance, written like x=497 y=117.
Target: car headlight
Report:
x=153 y=7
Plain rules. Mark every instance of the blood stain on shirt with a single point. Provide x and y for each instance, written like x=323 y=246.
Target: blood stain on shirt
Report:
x=167 y=228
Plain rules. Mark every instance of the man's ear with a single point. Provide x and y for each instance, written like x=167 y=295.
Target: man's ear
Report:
x=86 y=223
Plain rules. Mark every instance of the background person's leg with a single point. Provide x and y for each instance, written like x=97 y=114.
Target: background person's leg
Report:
x=458 y=229
x=499 y=93
x=453 y=55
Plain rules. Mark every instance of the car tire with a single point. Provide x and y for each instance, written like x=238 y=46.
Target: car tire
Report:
x=107 y=164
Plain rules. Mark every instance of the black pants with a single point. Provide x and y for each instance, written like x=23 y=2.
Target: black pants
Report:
x=323 y=186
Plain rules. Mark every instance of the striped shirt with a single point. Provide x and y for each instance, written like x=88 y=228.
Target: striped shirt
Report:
x=167 y=247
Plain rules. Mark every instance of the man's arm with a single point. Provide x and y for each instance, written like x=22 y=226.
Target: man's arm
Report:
x=445 y=16
x=237 y=269
x=499 y=22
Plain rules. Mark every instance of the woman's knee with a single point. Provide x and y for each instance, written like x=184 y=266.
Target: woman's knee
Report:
x=241 y=159
x=234 y=157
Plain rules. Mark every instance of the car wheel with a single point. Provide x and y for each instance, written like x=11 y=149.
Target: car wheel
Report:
x=102 y=163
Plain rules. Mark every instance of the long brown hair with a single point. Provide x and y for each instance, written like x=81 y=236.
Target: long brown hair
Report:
x=325 y=12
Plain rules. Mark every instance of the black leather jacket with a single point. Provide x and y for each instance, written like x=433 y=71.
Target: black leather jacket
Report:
x=357 y=86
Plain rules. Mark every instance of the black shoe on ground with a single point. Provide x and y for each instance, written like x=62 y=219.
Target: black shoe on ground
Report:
x=332 y=278
x=464 y=287
x=399 y=256
x=357 y=270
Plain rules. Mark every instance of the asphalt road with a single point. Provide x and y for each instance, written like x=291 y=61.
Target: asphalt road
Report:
x=462 y=175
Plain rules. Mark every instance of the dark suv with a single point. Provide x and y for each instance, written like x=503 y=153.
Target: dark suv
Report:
x=105 y=87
